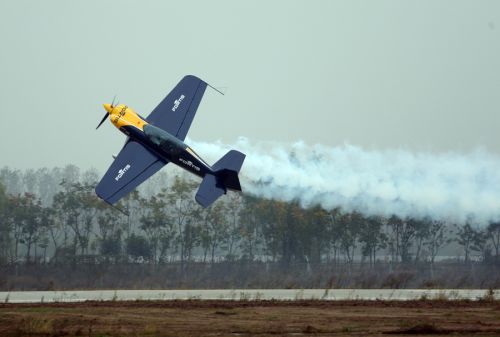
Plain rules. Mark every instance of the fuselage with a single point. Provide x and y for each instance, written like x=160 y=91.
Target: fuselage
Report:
x=163 y=144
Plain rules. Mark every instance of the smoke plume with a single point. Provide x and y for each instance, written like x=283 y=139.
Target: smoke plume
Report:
x=448 y=186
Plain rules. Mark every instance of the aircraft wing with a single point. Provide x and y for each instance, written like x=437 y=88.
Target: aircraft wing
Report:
x=176 y=112
x=133 y=165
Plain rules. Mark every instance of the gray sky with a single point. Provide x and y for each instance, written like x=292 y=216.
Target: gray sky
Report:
x=422 y=75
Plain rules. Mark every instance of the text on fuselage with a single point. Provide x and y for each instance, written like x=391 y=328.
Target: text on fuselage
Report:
x=189 y=163
x=122 y=112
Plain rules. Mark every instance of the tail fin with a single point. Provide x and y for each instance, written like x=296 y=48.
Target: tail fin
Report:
x=226 y=177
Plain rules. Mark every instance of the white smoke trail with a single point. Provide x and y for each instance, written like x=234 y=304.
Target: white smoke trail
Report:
x=449 y=186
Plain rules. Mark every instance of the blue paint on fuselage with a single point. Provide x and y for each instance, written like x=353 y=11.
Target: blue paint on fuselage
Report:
x=168 y=147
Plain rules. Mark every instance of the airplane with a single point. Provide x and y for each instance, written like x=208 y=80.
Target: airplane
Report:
x=157 y=140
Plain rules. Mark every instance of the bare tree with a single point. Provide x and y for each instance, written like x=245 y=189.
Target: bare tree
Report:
x=493 y=232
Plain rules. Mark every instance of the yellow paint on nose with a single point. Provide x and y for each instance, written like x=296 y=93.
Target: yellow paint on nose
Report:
x=121 y=115
x=108 y=107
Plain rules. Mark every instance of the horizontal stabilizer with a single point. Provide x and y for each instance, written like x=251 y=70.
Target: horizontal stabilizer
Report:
x=209 y=191
x=226 y=177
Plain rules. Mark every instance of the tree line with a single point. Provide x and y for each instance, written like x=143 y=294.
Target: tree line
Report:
x=54 y=216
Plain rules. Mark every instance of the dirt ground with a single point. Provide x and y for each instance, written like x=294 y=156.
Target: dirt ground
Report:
x=248 y=318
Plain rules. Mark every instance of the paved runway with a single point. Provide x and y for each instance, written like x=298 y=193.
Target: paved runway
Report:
x=244 y=294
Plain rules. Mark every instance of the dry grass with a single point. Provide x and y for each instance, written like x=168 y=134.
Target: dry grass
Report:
x=248 y=275
x=247 y=318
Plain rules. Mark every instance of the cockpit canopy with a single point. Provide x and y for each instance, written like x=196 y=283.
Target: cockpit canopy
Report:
x=163 y=139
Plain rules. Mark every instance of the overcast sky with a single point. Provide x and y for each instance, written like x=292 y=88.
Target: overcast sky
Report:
x=419 y=75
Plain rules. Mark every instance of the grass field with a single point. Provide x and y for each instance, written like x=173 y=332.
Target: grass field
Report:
x=248 y=318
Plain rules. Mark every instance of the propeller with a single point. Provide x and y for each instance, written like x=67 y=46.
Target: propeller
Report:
x=103 y=119
x=107 y=113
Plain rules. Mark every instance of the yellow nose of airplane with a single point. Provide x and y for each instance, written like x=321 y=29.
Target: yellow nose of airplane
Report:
x=108 y=107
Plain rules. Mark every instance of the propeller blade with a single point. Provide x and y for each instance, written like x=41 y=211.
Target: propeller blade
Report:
x=113 y=102
x=103 y=119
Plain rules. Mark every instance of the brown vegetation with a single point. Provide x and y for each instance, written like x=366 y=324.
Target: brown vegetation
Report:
x=263 y=318
x=244 y=275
